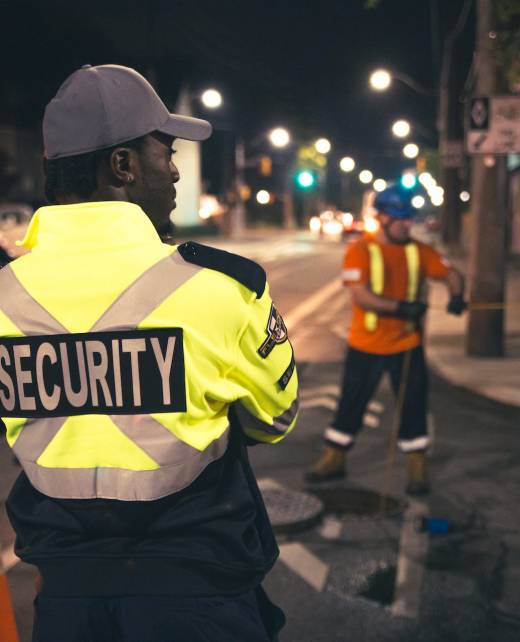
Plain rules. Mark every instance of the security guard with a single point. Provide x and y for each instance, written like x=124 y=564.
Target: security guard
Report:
x=385 y=273
x=132 y=375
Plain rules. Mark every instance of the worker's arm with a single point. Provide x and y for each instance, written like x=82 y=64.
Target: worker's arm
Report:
x=265 y=373
x=366 y=299
x=440 y=268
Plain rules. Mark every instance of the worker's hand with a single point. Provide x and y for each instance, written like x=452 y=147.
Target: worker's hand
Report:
x=411 y=310
x=456 y=305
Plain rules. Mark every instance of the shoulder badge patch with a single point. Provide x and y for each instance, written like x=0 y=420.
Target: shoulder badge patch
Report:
x=276 y=333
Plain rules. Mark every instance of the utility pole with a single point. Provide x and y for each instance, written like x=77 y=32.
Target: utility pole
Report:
x=451 y=135
x=487 y=264
x=238 y=212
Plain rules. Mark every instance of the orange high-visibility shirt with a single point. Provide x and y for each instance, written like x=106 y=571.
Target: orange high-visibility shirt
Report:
x=391 y=334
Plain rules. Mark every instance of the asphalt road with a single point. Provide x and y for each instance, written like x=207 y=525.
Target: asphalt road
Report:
x=371 y=575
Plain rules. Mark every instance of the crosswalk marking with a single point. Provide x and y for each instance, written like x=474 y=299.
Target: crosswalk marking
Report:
x=318 y=402
x=302 y=562
x=376 y=406
x=330 y=528
x=332 y=390
x=370 y=420
x=413 y=549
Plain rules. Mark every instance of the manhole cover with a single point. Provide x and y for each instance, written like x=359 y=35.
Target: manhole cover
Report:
x=291 y=511
x=358 y=501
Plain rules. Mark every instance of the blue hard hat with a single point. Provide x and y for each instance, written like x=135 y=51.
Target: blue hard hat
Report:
x=395 y=201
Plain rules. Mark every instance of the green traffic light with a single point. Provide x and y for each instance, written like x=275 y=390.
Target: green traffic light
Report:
x=408 y=181
x=305 y=179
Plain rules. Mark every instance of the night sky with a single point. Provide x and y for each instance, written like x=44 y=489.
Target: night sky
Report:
x=301 y=64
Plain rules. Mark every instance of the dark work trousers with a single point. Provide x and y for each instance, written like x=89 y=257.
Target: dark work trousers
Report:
x=361 y=376
x=250 y=617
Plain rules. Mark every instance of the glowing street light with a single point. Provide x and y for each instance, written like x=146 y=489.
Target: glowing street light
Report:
x=211 y=98
x=366 y=176
x=379 y=185
x=464 y=196
x=427 y=180
x=322 y=145
x=263 y=197
x=411 y=150
x=347 y=164
x=380 y=80
x=401 y=128
x=279 y=137
x=418 y=201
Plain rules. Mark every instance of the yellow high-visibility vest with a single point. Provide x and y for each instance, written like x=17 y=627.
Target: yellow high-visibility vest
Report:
x=377 y=276
x=121 y=356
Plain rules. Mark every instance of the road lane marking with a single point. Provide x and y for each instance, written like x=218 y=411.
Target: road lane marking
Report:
x=376 y=406
x=312 y=303
x=413 y=549
x=9 y=559
x=330 y=528
x=370 y=420
x=302 y=562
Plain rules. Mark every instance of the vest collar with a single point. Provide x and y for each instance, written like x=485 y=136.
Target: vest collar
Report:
x=96 y=225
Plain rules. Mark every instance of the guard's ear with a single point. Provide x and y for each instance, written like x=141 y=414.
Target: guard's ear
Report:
x=122 y=164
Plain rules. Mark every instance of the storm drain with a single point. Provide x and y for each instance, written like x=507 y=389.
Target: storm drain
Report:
x=380 y=586
x=291 y=511
x=358 y=501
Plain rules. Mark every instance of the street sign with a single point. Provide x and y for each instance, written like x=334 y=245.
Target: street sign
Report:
x=493 y=125
x=452 y=153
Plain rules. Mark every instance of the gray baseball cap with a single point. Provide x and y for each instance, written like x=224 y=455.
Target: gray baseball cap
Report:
x=98 y=107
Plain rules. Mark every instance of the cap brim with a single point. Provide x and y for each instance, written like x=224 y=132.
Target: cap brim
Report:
x=186 y=127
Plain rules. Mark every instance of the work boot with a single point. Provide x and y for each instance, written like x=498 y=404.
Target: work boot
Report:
x=329 y=466
x=417 y=478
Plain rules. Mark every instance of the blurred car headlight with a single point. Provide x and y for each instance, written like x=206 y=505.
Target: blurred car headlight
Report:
x=315 y=224
x=332 y=228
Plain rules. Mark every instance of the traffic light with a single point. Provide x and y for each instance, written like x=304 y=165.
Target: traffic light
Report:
x=306 y=179
x=408 y=181
x=266 y=166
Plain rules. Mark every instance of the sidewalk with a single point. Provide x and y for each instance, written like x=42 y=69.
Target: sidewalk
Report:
x=498 y=379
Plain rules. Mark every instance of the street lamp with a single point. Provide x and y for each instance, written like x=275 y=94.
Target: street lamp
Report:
x=347 y=164
x=418 y=201
x=366 y=176
x=411 y=150
x=322 y=145
x=211 y=98
x=380 y=80
x=401 y=128
x=263 y=197
x=279 y=137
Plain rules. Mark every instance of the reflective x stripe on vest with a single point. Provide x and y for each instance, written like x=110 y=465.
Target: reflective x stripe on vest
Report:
x=377 y=276
x=178 y=463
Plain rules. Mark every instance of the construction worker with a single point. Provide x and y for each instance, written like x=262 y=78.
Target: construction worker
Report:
x=133 y=374
x=385 y=272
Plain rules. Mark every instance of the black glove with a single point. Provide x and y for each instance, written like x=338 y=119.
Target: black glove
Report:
x=456 y=305
x=411 y=310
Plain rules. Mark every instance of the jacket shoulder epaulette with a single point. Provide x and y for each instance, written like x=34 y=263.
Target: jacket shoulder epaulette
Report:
x=243 y=270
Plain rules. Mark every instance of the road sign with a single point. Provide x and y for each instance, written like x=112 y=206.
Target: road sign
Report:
x=452 y=153
x=493 y=125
